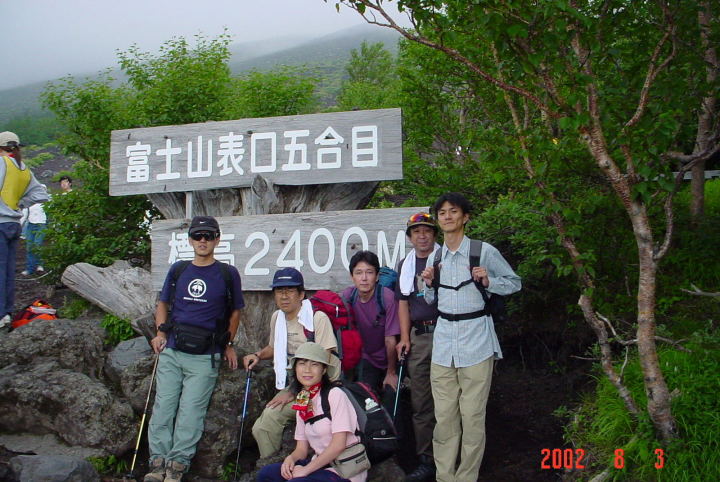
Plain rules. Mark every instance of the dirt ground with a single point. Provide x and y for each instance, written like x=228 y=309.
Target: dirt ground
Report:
x=520 y=421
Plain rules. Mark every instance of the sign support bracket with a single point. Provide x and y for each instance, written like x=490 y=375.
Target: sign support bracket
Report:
x=188 y=204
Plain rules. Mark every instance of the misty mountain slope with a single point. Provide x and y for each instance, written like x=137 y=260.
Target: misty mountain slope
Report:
x=325 y=57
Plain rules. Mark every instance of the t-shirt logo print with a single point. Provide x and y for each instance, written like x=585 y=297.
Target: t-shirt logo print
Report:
x=197 y=288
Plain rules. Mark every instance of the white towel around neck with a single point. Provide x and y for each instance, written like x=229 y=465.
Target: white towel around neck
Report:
x=280 y=361
x=407 y=273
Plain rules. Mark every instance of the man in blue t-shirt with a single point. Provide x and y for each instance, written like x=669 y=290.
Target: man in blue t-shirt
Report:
x=188 y=343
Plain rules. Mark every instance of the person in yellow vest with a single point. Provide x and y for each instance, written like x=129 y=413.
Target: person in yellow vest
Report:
x=18 y=190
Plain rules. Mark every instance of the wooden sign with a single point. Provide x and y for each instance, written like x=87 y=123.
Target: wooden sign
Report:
x=292 y=150
x=318 y=244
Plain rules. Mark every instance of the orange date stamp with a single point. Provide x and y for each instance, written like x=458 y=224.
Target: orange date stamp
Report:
x=574 y=459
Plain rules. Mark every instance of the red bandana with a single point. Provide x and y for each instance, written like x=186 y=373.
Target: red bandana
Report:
x=303 y=403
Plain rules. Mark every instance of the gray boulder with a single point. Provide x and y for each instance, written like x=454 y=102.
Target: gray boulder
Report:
x=42 y=468
x=72 y=344
x=135 y=383
x=124 y=355
x=46 y=398
x=222 y=422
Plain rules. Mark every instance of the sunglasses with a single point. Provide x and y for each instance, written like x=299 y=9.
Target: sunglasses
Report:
x=207 y=236
x=421 y=218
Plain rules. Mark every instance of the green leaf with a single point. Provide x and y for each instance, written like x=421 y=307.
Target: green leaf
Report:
x=517 y=30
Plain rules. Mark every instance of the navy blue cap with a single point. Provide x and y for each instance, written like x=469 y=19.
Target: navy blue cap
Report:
x=287 y=277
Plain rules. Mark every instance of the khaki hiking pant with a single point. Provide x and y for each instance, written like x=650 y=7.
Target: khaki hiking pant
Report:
x=460 y=396
x=268 y=428
x=423 y=413
x=185 y=383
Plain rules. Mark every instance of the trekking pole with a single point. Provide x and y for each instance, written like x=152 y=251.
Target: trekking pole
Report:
x=242 y=421
x=397 y=392
x=142 y=420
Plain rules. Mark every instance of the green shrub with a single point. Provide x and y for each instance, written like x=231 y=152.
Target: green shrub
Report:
x=74 y=308
x=228 y=471
x=117 y=329
x=602 y=424
x=109 y=465
x=37 y=160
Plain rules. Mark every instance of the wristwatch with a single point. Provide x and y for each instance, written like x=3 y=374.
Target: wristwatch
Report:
x=164 y=327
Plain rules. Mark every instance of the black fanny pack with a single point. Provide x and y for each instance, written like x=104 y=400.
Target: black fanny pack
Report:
x=193 y=339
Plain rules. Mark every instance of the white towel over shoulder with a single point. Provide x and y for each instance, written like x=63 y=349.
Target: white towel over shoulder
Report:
x=305 y=317
x=407 y=273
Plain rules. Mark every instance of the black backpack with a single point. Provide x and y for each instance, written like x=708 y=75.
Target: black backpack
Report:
x=195 y=335
x=494 y=303
x=377 y=432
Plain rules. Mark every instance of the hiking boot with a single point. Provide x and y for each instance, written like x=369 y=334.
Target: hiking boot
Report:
x=25 y=272
x=157 y=471
x=40 y=269
x=174 y=471
x=424 y=472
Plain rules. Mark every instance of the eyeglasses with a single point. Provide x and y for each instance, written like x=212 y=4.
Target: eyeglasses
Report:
x=204 y=235
x=420 y=218
x=286 y=290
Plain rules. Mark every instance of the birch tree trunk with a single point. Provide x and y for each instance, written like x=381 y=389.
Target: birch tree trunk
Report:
x=707 y=133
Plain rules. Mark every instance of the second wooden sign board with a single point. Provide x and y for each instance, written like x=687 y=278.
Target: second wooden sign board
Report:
x=319 y=244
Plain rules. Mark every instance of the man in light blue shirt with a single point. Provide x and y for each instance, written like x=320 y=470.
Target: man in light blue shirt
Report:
x=465 y=344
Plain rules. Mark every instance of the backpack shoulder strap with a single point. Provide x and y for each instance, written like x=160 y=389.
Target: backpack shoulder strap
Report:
x=175 y=271
x=229 y=288
x=178 y=268
x=437 y=257
x=324 y=403
x=475 y=253
x=380 y=299
x=309 y=335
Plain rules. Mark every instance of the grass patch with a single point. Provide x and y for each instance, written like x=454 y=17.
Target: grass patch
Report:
x=602 y=426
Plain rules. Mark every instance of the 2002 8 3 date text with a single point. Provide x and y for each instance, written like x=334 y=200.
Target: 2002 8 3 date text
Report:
x=573 y=459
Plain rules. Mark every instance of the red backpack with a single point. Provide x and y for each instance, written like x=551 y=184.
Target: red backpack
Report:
x=37 y=310
x=346 y=333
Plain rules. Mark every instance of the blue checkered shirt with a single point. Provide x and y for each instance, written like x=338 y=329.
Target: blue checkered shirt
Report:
x=468 y=342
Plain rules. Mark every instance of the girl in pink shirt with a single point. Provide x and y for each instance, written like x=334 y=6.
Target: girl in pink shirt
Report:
x=327 y=437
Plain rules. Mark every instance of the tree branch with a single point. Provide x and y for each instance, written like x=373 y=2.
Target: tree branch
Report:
x=584 y=358
x=653 y=70
x=698 y=292
x=449 y=51
x=693 y=158
x=627 y=343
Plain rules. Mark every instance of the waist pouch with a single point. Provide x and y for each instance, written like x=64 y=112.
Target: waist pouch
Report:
x=351 y=461
x=193 y=339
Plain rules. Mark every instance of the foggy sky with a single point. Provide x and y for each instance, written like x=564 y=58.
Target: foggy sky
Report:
x=47 y=39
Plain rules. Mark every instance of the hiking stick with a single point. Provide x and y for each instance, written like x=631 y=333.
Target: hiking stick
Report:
x=142 y=420
x=242 y=421
x=397 y=392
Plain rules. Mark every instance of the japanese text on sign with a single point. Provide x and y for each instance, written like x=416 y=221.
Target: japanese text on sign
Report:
x=312 y=149
x=320 y=245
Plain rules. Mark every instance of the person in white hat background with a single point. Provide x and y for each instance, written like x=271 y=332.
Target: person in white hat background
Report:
x=18 y=190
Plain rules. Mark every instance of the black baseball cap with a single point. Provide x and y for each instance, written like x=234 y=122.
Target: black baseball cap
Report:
x=204 y=223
